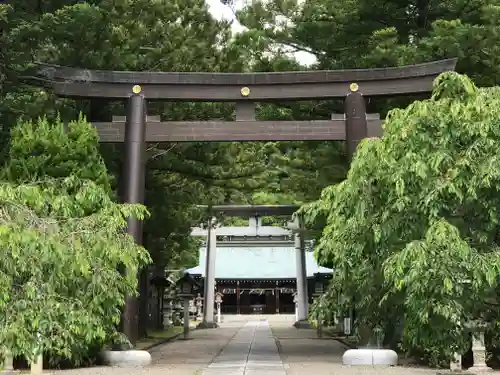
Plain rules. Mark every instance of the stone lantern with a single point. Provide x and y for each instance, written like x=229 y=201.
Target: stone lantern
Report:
x=319 y=316
x=199 y=306
x=477 y=328
x=186 y=287
x=176 y=310
x=167 y=311
x=218 y=301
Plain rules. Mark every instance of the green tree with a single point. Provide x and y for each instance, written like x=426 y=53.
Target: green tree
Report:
x=63 y=243
x=61 y=289
x=45 y=149
x=413 y=231
x=472 y=36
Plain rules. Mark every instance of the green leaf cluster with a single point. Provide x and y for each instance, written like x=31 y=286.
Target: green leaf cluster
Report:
x=59 y=279
x=67 y=261
x=412 y=233
x=43 y=148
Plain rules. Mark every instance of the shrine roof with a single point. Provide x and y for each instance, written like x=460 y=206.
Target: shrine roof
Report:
x=256 y=262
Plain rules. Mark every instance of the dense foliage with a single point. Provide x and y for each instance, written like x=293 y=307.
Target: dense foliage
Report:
x=63 y=244
x=413 y=230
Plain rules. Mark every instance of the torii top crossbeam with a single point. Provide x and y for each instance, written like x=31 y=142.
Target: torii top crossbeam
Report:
x=180 y=86
x=252 y=210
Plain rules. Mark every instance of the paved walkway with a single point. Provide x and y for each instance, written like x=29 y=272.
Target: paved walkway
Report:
x=252 y=351
x=251 y=345
x=181 y=357
x=303 y=353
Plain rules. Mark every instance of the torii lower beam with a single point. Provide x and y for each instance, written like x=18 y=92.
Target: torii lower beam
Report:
x=263 y=231
x=246 y=211
x=240 y=130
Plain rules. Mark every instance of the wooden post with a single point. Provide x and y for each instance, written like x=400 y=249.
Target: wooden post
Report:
x=133 y=192
x=238 y=311
x=355 y=119
x=245 y=111
x=277 y=298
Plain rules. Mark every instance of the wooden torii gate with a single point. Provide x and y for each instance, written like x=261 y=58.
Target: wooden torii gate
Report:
x=246 y=89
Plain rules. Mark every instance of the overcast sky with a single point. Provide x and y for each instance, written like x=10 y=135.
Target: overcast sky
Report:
x=220 y=11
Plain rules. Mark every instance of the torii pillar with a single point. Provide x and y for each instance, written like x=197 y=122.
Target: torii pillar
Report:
x=209 y=284
x=302 y=290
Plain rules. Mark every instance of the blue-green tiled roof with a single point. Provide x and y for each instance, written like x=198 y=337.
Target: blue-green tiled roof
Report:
x=257 y=263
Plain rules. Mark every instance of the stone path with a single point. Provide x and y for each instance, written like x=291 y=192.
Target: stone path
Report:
x=252 y=351
x=303 y=353
x=180 y=357
x=252 y=345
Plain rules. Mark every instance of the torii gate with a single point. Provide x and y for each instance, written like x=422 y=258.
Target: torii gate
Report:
x=246 y=89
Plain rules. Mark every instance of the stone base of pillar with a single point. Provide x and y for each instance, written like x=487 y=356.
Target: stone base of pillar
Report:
x=126 y=358
x=478 y=370
x=204 y=325
x=370 y=357
x=302 y=324
x=36 y=368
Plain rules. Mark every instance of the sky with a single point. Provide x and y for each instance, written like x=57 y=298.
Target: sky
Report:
x=221 y=11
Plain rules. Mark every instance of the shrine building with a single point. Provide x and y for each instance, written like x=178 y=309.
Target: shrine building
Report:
x=256 y=269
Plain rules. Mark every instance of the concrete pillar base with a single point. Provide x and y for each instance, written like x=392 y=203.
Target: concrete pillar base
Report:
x=204 y=325
x=370 y=357
x=302 y=324
x=479 y=369
x=36 y=368
x=126 y=358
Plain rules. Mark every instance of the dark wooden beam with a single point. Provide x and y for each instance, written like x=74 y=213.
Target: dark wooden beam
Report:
x=243 y=130
x=245 y=111
x=75 y=82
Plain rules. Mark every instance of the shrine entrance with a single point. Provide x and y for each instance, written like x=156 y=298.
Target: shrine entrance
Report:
x=257 y=269
x=246 y=89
